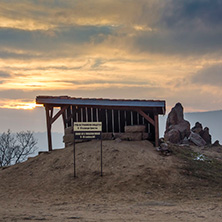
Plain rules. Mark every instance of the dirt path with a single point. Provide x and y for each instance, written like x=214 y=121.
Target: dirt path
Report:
x=149 y=210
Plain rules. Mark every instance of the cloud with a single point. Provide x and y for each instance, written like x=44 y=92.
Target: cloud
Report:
x=210 y=75
x=140 y=49
x=4 y=74
x=191 y=14
x=39 y=41
x=168 y=27
x=185 y=27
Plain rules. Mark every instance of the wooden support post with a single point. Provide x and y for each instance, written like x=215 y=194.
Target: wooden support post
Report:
x=64 y=120
x=81 y=114
x=138 y=119
x=87 y=117
x=125 y=118
x=131 y=115
x=50 y=120
x=49 y=112
x=156 y=120
x=91 y=114
x=97 y=115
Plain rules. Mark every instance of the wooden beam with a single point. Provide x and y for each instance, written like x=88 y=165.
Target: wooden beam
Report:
x=64 y=120
x=49 y=111
x=61 y=111
x=149 y=119
x=156 y=120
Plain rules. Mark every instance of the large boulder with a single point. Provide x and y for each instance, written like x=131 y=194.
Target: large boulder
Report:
x=172 y=136
x=175 y=116
x=205 y=134
x=176 y=127
x=197 y=139
x=197 y=128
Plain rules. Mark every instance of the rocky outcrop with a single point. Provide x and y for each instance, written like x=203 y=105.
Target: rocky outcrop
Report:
x=176 y=127
x=172 y=136
x=203 y=133
x=197 y=128
x=196 y=139
x=178 y=130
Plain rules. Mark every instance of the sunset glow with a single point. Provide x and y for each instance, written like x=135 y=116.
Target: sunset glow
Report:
x=142 y=49
x=17 y=104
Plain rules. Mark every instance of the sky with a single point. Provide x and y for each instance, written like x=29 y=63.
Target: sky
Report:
x=144 y=49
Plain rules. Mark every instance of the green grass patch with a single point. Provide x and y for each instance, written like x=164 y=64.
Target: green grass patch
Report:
x=198 y=165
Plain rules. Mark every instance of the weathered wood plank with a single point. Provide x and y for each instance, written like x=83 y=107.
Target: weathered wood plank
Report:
x=149 y=119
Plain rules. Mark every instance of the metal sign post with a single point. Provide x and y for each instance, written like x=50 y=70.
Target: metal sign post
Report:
x=101 y=154
x=74 y=156
x=86 y=131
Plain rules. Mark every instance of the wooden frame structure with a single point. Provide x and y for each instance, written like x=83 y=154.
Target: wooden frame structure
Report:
x=114 y=114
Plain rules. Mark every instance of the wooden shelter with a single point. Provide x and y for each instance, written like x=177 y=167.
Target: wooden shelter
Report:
x=114 y=114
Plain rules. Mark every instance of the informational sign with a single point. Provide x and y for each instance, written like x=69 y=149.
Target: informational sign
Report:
x=88 y=126
x=87 y=130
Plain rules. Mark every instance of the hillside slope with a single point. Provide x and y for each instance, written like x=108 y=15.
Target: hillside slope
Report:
x=134 y=172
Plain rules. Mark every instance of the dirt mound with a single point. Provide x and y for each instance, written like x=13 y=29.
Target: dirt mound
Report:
x=136 y=176
x=127 y=167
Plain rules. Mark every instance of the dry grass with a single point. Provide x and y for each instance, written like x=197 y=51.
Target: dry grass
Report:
x=197 y=164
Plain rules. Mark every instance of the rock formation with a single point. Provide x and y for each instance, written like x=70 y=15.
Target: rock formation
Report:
x=176 y=127
x=197 y=128
x=203 y=133
x=206 y=135
x=196 y=139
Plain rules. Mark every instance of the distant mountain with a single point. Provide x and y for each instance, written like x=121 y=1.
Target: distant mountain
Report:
x=211 y=119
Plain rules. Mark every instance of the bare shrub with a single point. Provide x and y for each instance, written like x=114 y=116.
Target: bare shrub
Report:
x=15 y=148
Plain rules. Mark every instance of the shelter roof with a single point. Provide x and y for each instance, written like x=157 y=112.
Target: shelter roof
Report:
x=58 y=101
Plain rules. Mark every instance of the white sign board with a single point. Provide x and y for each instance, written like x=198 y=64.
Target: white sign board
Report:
x=87 y=127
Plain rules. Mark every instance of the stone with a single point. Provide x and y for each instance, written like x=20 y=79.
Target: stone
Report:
x=196 y=139
x=134 y=129
x=216 y=143
x=175 y=116
x=173 y=136
x=206 y=135
x=185 y=141
x=176 y=127
x=164 y=149
x=197 y=128
x=164 y=146
x=184 y=128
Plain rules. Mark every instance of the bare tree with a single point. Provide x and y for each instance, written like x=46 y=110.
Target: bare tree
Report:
x=15 y=148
